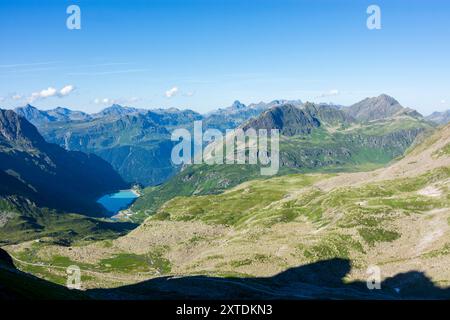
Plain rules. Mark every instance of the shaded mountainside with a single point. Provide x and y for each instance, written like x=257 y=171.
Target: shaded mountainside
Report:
x=46 y=173
x=288 y=119
x=330 y=115
x=319 y=280
x=298 y=236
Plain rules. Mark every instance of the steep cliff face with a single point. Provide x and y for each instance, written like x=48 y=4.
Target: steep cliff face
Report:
x=347 y=149
x=287 y=118
x=330 y=115
x=16 y=132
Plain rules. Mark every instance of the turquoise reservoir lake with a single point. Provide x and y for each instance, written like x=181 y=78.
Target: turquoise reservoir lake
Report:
x=120 y=200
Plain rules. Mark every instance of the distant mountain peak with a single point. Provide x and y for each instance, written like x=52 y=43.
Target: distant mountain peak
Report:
x=437 y=117
x=381 y=107
x=238 y=105
x=28 y=108
x=62 y=109
x=387 y=98
x=116 y=106
x=116 y=110
x=33 y=114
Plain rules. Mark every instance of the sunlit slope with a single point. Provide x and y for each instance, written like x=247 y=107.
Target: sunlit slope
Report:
x=398 y=213
x=396 y=217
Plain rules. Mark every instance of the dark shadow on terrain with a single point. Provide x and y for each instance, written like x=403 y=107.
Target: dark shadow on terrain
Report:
x=320 y=280
x=18 y=285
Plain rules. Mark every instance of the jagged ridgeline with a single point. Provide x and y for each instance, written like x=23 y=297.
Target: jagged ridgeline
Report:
x=314 y=138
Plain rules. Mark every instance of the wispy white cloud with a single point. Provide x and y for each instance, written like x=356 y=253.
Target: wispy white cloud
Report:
x=18 y=65
x=109 y=101
x=101 y=73
x=16 y=97
x=66 y=90
x=331 y=93
x=443 y=101
x=106 y=64
x=134 y=99
x=20 y=69
x=172 y=92
x=51 y=92
x=105 y=101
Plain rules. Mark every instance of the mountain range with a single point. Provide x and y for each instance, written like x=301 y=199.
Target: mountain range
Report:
x=136 y=142
x=314 y=137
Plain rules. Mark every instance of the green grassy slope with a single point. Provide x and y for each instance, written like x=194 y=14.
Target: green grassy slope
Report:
x=343 y=150
x=21 y=220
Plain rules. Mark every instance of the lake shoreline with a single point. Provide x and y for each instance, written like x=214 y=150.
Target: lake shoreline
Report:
x=115 y=202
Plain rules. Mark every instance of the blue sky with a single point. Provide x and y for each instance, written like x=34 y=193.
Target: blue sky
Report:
x=204 y=54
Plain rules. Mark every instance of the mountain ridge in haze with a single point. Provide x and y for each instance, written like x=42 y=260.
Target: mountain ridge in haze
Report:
x=440 y=118
x=122 y=135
